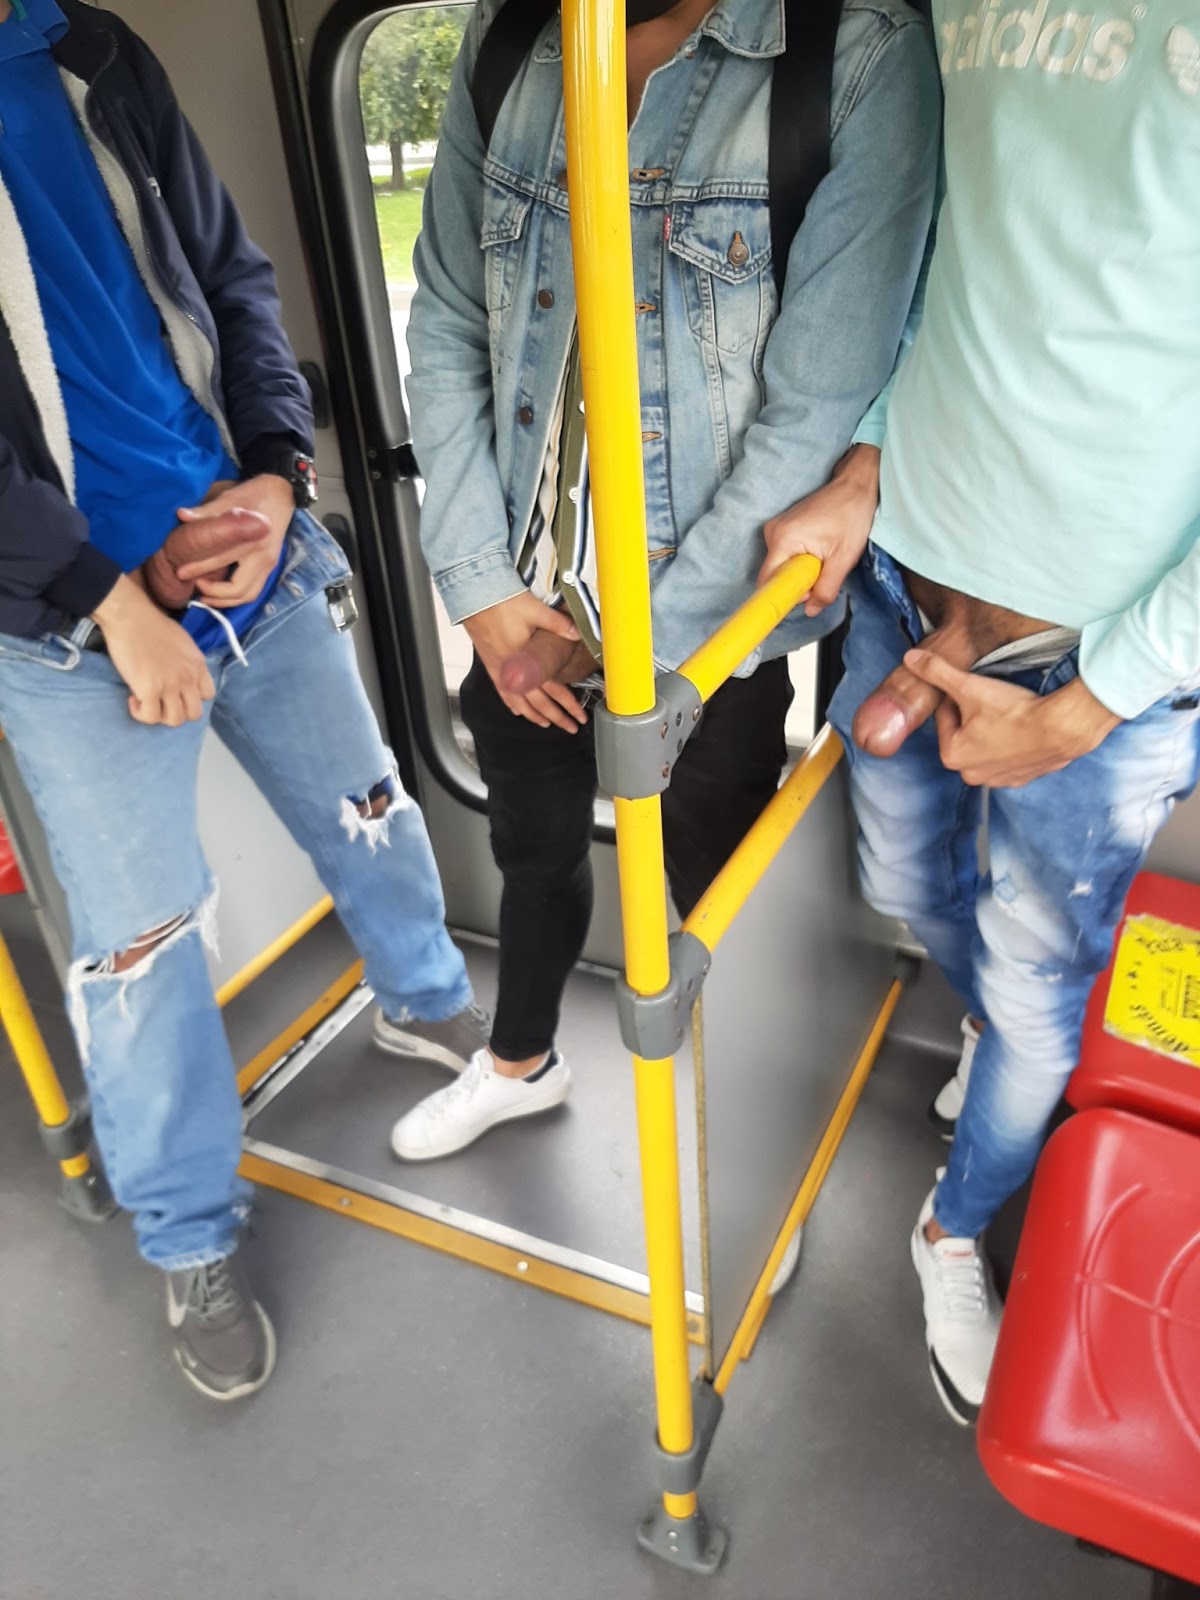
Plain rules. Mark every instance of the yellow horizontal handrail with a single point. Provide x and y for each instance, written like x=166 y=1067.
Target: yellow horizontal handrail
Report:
x=286 y=941
x=742 y=873
x=741 y=635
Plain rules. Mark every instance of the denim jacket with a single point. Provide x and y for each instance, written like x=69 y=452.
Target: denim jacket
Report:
x=746 y=404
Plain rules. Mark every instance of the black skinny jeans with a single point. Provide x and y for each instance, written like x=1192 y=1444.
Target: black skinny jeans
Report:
x=541 y=789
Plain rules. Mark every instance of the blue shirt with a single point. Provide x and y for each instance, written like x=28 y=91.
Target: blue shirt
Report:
x=143 y=445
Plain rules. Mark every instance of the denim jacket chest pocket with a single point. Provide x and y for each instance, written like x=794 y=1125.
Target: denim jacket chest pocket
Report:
x=505 y=214
x=722 y=246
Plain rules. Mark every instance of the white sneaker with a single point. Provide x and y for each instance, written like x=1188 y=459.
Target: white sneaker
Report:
x=943 y=1113
x=786 y=1269
x=457 y=1115
x=962 y=1317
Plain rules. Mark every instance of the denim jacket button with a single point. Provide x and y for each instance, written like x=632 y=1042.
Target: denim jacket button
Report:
x=545 y=298
x=739 y=251
x=525 y=416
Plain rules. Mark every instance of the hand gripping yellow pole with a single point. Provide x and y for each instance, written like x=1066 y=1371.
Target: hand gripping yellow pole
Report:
x=598 y=184
x=742 y=633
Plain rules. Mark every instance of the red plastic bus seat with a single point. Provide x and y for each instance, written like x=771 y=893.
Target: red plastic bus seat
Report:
x=1112 y=1070
x=11 y=881
x=1091 y=1421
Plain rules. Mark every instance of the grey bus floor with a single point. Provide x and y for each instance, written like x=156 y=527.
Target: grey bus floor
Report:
x=436 y=1432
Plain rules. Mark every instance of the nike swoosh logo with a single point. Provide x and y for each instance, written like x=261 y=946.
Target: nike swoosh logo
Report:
x=175 y=1312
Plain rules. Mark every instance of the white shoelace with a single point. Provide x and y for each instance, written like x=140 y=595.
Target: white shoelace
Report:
x=446 y=1100
x=962 y=1286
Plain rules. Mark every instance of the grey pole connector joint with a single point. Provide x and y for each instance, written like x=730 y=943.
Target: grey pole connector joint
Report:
x=690 y=1543
x=86 y=1195
x=681 y=1474
x=635 y=756
x=654 y=1026
x=70 y=1138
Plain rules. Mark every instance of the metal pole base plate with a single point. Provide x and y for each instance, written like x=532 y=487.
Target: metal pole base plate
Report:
x=688 y=1542
x=88 y=1197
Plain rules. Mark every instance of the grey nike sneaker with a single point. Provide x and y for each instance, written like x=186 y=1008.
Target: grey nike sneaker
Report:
x=451 y=1043
x=224 y=1341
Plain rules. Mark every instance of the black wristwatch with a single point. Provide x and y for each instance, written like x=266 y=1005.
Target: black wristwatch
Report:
x=288 y=463
x=302 y=475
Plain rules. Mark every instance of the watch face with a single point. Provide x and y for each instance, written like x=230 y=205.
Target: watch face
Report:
x=304 y=480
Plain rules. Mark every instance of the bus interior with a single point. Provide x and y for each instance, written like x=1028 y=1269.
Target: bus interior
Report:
x=465 y=1401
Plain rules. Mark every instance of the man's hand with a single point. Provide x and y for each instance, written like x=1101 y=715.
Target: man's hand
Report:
x=904 y=700
x=998 y=734
x=247 y=523
x=548 y=658
x=193 y=542
x=504 y=631
x=833 y=524
x=168 y=678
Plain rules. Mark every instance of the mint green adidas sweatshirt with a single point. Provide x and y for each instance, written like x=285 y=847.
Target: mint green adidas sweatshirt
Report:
x=1043 y=430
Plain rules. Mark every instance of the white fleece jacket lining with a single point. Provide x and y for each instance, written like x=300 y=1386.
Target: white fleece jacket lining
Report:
x=21 y=309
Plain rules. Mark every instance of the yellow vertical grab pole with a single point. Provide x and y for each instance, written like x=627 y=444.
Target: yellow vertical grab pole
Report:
x=84 y=1191
x=24 y=1035
x=598 y=184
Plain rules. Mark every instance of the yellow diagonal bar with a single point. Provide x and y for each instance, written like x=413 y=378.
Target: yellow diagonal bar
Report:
x=737 y=880
x=810 y=1188
x=598 y=183
x=721 y=656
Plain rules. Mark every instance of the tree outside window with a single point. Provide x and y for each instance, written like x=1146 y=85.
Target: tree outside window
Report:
x=405 y=78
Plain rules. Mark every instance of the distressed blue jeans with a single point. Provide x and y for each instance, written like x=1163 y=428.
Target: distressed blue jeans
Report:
x=117 y=800
x=1022 y=943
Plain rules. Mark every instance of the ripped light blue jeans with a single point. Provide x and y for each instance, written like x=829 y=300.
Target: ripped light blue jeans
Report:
x=1023 y=943
x=118 y=803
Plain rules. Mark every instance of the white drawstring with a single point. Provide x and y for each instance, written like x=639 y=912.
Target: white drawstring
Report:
x=234 y=641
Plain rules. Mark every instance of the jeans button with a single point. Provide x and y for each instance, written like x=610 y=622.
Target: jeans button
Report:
x=525 y=416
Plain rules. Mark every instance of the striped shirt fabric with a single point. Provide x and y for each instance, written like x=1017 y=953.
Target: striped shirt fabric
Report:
x=557 y=561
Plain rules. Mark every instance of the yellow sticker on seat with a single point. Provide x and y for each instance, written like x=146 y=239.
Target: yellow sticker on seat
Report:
x=1154 y=1000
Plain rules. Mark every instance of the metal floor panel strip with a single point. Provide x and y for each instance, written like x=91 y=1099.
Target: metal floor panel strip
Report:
x=480 y=1227
x=289 y=1066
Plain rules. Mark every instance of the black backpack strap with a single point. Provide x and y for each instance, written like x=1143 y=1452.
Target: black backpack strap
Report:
x=511 y=36
x=801 y=114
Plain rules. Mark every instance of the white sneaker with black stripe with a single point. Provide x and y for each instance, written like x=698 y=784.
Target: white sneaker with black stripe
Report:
x=962 y=1317
x=457 y=1115
x=944 y=1111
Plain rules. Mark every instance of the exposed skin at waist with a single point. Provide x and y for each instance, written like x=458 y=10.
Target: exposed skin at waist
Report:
x=964 y=631
x=984 y=627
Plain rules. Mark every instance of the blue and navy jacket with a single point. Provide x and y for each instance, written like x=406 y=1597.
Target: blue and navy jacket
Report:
x=215 y=292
